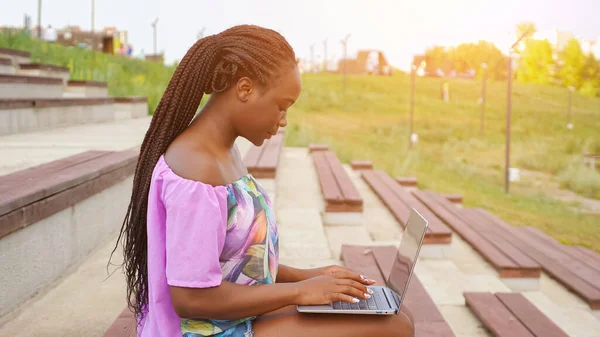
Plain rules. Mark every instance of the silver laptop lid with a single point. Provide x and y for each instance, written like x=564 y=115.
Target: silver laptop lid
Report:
x=408 y=252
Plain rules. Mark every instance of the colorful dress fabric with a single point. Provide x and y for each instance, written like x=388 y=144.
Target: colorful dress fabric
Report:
x=198 y=236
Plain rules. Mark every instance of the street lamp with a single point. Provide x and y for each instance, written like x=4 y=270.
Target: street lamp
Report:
x=569 y=124
x=485 y=73
x=154 y=24
x=39 y=19
x=508 y=112
x=345 y=43
x=413 y=73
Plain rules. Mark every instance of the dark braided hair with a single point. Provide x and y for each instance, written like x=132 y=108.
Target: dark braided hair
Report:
x=211 y=65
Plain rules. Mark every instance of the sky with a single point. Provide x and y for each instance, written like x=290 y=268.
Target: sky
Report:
x=399 y=28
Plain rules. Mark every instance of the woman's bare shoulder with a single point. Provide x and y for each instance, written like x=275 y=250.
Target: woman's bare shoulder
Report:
x=194 y=165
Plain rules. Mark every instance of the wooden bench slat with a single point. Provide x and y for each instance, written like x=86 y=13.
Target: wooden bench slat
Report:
x=396 y=207
x=346 y=186
x=435 y=225
x=530 y=316
x=64 y=179
x=565 y=276
x=329 y=187
x=496 y=317
x=271 y=153
x=579 y=268
x=586 y=256
x=378 y=260
x=504 y=243
x=488 y=251
x=25 y=176
x=123 y=326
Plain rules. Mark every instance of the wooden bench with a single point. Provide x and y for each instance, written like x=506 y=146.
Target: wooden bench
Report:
x=586 y=255
x=33 y=194
x=262 y=161
x=400 y=202
x=498 y=250
x=409 y=182
x=376 y=263
x=339 y=192
x=511 y=315
x=553 y=258
x=592 y=160
x=123 y=326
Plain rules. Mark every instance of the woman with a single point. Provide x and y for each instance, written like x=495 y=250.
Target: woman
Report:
x=200 y=237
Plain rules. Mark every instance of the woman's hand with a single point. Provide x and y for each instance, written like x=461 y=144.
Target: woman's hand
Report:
x=328 y=270
x=331 y=286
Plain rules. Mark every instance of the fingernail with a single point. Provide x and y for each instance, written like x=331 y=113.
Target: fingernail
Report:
x=369 y=290
x=372 y=281
x=367 y=296
x=355 y=300
x=363 y=277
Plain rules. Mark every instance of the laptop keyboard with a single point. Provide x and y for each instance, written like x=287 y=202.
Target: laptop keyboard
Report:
x=376 y=301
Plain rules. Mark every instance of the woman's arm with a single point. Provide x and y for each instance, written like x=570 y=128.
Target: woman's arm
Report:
x=233 y=301
x=287 y=274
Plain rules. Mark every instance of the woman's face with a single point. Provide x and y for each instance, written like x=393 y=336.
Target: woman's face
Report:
x=265 y=109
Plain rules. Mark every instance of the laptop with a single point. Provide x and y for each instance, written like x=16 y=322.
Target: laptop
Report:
x=386 y=300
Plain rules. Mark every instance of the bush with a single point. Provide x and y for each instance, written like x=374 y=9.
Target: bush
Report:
x=581 y=179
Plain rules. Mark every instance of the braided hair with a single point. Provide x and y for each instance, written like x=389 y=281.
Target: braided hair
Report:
x=211 y=65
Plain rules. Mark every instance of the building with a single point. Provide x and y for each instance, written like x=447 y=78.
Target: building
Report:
x=368 y=62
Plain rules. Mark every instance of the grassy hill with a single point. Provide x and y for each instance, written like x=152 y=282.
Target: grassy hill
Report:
x=371 y=121
x=125 y=77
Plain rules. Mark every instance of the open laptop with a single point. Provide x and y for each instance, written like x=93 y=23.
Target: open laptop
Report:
x=386 y=300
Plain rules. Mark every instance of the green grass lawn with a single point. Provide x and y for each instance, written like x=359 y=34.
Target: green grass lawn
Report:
x=371 y=121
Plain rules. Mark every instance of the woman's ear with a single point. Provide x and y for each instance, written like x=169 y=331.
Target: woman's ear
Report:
x=244 y=88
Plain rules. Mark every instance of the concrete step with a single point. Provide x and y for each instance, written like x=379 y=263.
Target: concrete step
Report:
x=16 y=56
x=45 y=71
x=6 y=66
x=26 y=115
x=87 y=89
x=28 y=87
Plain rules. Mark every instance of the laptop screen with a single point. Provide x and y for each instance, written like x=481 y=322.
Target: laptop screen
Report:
x=408 y=252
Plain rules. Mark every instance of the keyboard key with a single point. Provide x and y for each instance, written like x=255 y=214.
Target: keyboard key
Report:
x=354 y=306
x=371 y=302
x=363 y=305
x=337 y=305
x=345 y=305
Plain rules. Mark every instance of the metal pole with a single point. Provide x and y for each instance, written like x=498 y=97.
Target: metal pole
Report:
x=508 y=113
x=485 y=73
x=154 y=24
x=40 y=19
x=412 y=103
x=312 y=58
x=325 y=55
x=93 y=15
x=569 y=125
x=345 y=42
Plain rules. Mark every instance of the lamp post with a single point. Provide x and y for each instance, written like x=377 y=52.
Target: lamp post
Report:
x=345 y=43
x=483 y=84
x=413 y=74
x=154 y=24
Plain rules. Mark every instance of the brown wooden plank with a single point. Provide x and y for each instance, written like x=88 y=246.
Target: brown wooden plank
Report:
x=271 y=153
x=488 y=251
x=124 y=326
x=41 y=66
x=361 y=165
x=64 y=179
x=361 y=260
x=349 y=191
x=22 y=79
x=317 y=147
x=582 y=270
x=329 y=187
x=557 y=271
x=495 y=316
x=396 y=207
x=532 y=318
x=433 y=329
x=504 y=243
x=454 y=198
x=586 y=256
x=15 y=52
x=435 y=225
x=43 y=208
x=25 y=176
x=252 y=156
x=407 y=181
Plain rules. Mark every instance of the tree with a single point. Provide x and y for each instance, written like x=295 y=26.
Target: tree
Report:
x=572 y=61
x=590 y=77
x=536 y=65
x=526 y=29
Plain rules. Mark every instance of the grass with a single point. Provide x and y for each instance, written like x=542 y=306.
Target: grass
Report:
x=125 y=77
x=371 y=121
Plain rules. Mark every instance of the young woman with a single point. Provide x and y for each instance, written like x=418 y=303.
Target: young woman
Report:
x=200 y=237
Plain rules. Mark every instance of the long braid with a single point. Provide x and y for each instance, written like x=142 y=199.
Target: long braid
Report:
x=211 y=65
